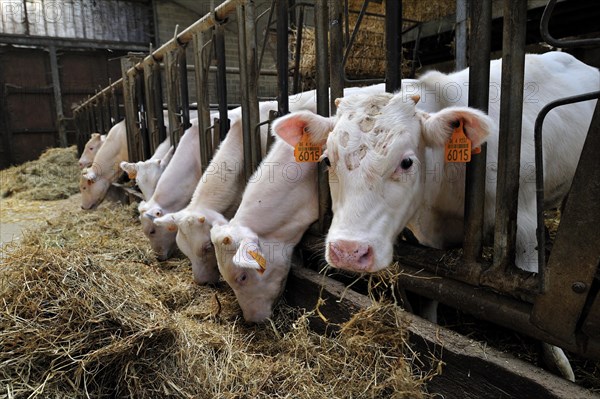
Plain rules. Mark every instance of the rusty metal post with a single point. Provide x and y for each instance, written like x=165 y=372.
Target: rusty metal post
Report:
x=298 y=49
x=509 y=145
x=219 y=43
x=131 y=108
x=154 y=113
x=322 y=60
x=393 y=45
x=336 y=52
x=144 y=148
x=201 y=64
x=282 y=57
x=480 y=15
x=460 y=35
x=252 y=81
x=247 y=130
x=172 y=81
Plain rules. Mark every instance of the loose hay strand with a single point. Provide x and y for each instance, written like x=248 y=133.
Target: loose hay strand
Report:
x=88 y=312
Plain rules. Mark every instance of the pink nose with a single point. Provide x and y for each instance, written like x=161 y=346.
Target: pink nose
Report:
x=351 y=255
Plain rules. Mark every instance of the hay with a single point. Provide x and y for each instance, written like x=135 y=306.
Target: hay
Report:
x=53 y=176
x=367 y=57
x=87 y=312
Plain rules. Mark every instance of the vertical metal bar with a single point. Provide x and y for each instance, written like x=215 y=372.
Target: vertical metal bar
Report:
x=282 y=57
x=62 y=133
x=479 y=81
x=131 y=108
x=201 y=62
x=105 y=98
x=322 y=60
x=336 y=52
x=298 y=49
x=144 y=149
x=509 y=146
x=252 y=81
x=184 y=98
x=393 y=45
x=114 y=102
x=173 y=87
x=460 y=35
x=150 y=86
x=247 y=130
x=219 y=42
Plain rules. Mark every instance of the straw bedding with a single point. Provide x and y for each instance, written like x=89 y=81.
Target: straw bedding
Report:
x=87 y=312
x=50 y=177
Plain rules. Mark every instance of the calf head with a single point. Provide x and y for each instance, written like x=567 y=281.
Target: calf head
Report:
x=90 y=150
x=193 y=239
x=147 y=173
x=376 y=152
x=93 y=188
x=257 y=276
x=162 y=238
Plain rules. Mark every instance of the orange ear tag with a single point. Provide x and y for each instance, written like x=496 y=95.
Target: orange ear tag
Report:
x=306 y=151
x=458 y=148
x=132 y=175
x=262 y=262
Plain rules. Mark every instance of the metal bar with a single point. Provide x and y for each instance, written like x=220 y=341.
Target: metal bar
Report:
x=105 y=101
x=62 y=133
x=246 y=127
x=131 y=109
x=575 y=255
x=548 y=38
x=202 y=96
x=413 y=64
x=480 y=15
x=219 y=42
x=509 y=145
x=336 y=52
x=264 y=46
x=322 y=60
x=66 y=43
x=393 y=45
x=172 y=81
x=298 y=50
x=114 y=106
x=460 y=35
x=252 y=81
x=233 y=70
x=282 y=57
x=488 y=305
x=144 y=150
x=539 y=174
x=152 y=85
x=184 y=98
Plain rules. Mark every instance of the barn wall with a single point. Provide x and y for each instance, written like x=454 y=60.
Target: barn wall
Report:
x=169 y=13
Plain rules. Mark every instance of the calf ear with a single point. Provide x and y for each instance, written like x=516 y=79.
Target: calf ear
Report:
x=214 y=218
x=129 y=168
x=438 y=127
x=169 y=221
x=95 y=135
x=291 y=127
x=249 y=255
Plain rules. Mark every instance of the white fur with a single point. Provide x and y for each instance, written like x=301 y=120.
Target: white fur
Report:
x=147 y=173
x=373 y=202
x=278 y=205
x=173 y=191
x=91 y=149
x=95 y=180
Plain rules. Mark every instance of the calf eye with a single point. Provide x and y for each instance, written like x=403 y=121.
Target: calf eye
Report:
x=327 y=162
x=406 y=163
x=241 y=279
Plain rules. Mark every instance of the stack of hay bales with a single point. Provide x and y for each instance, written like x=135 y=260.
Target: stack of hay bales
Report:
x=367 y=56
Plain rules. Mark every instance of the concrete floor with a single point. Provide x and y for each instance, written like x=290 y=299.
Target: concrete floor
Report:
x=10 y=231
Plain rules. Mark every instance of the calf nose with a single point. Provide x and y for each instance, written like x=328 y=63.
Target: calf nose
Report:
x=351 y=255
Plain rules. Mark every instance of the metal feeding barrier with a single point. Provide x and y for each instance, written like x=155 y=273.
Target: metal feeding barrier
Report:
x=559 y=305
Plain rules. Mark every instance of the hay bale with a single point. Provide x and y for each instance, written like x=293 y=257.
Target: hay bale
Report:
x=53 y=176
x=87 y=311
x=367 y=56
